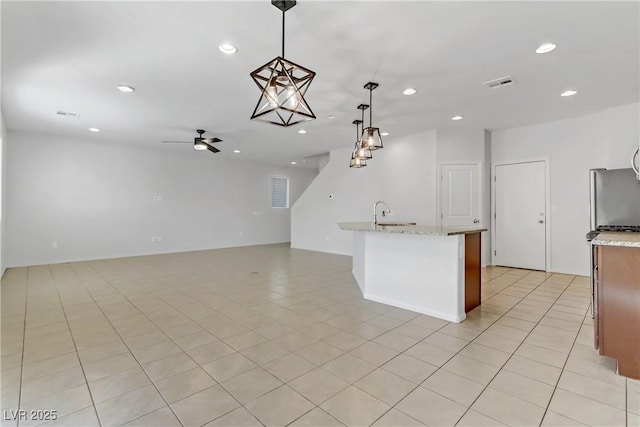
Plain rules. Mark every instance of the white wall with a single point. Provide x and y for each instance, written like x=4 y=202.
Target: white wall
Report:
x=402 y=174
x=96 y=200
x=573 y=146
x=3 y=185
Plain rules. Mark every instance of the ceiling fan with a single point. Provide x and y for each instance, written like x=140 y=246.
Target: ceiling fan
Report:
x=200 y=142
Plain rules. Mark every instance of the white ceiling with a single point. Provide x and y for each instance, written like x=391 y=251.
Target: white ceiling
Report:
x=71 y=55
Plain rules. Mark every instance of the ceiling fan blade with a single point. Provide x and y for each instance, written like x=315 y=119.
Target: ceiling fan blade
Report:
x=211 y=140
x=212 y=149
x=180 y=142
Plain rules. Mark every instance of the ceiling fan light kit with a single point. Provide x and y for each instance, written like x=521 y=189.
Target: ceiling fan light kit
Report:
x=283 y=85
x=200 y=142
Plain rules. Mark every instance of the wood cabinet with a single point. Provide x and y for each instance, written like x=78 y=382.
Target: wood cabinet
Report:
x=472 y=268
x=617 y=306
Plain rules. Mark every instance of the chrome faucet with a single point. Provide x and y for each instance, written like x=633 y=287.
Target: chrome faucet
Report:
x=385 y=211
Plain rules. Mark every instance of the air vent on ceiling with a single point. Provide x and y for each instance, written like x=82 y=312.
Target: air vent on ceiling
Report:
x=68 y=114
x=501 y=82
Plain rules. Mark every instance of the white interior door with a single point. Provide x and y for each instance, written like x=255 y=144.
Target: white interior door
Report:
x=520 y=222
x=459 y=195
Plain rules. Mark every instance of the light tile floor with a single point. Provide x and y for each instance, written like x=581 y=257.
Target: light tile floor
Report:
x=266 y=335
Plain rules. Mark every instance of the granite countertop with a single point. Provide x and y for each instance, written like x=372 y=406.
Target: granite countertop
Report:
x=427 y=230
x=627 y=239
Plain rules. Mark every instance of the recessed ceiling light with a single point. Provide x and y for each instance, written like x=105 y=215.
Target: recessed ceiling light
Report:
x=227 y=48
x=545 y=48
x=94 y=130
x=385 y=134
x=125 y=88
x=294 y=163
x=409 y=91
x=302 y=131
x=568 y=93
x=457 y=118
x=236 y=151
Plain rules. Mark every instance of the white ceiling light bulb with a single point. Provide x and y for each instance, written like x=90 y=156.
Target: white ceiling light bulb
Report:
x=568 y=93
x=292 y=97
x=294 y=163
x=236 y=151
x=227 y=48
x=385 y=134
x=457 y=118
x=272 y=93
x=302 y=131
x=125 y=88
x=409 y=91
x=545 y=48
x=94 y=130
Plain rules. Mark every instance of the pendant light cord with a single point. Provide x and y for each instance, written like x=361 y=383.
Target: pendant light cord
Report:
x=283 y=12
x=370 y=106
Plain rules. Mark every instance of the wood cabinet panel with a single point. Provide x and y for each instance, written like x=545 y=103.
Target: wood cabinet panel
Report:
x=617 y=312
x=472 y=269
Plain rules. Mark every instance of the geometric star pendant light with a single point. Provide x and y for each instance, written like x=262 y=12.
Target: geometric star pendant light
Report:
x=283 y=85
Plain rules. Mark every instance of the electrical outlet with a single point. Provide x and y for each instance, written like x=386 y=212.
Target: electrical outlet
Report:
x=240 y=234
x=157 y=198
x=156 y=239
x=54 y=245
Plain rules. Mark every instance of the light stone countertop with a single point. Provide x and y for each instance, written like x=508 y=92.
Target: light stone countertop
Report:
x=627 y=239
x=427 y=230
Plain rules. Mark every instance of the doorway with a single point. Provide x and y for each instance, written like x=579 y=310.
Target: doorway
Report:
x=460 y=203
x=520 y=220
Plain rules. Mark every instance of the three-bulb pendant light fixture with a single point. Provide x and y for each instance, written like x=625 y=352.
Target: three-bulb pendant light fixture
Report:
x=370 y=139
x=283 y=85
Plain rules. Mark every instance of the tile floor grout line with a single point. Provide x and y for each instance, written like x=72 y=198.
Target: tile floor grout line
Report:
x=546 y=409
x=128 y=284
x=320 y=366
x=24 y=338
x=64 y=312
x=522 y=342
x=439 y=367
x=171 y=339
x=242 y=405
x=341 y=330
x=133 y=355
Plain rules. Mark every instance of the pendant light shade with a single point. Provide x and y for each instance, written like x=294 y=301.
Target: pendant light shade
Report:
x=359 y=155
x=371 y=137
x=283 y=85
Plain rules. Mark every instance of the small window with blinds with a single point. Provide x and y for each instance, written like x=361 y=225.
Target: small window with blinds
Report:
x=279 y=192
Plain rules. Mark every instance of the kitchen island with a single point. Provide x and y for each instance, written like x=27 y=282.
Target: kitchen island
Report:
x=427 y=269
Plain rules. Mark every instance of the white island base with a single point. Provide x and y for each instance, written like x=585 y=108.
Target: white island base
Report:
x=425 y=272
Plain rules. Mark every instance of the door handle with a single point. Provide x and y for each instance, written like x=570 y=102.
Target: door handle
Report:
x=540 y=221
x=475 y=221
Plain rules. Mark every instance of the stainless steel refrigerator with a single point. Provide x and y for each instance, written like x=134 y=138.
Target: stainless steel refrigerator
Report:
x=615 y=199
